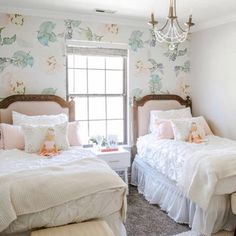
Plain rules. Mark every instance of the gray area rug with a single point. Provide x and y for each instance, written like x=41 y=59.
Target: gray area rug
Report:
x=144 y=219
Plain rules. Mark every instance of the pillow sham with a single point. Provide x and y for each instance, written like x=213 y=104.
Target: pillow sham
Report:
x=22 y=119
x=204 y=124
x=168 y=114
x=34 y=136
x=164 y=129
x=74 y=134
x=181 y=128
x=12 y=137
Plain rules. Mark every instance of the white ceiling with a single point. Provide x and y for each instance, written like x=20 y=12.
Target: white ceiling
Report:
x=205 y=12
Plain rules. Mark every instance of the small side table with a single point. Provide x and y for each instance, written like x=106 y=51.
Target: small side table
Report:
x=117 y=160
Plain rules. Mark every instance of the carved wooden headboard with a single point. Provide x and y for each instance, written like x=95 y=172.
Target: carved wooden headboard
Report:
x=143 y=106
x=35 y=104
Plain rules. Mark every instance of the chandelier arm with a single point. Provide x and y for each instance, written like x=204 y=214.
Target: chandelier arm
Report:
x=163 y=27
x=181 y=37
x=180 y=26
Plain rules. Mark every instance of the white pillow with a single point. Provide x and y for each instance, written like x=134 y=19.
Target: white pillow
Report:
x=34 y=136
x=21 y=119
x=204 y=124
x=168 y=114
x=181 y=127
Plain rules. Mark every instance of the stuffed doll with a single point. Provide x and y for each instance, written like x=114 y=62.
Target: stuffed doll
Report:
x=194 y=134
x=49 y=147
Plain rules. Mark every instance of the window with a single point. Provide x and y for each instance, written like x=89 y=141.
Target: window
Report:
x=97 y=79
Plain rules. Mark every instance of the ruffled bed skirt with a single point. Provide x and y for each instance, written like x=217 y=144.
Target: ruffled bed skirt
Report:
x=158 y=189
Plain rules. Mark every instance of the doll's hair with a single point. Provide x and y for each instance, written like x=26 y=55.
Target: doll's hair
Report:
x=50 y=131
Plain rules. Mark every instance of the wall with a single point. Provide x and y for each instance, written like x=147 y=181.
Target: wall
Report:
x=32 y=56
x=213 y=77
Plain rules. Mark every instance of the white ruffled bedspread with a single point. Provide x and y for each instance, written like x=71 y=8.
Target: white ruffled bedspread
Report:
x=195 y=167
x=30 y=183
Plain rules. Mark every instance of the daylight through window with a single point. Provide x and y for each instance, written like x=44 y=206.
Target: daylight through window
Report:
x=97 y=79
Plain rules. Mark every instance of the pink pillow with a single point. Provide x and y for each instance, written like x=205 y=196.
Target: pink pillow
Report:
x=73 y=134
x=164 y=129
x=13 y=136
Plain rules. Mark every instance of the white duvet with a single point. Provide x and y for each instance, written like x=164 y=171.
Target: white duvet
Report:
x=29 y=183
x=195 y=167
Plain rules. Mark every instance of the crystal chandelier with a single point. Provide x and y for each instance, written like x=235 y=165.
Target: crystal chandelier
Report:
x=171 y=32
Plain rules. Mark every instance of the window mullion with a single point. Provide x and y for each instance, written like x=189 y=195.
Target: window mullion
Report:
x=88 y=127
x=124 y=100
x=106 y=97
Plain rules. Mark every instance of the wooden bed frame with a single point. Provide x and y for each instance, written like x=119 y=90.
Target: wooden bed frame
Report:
x=137 y=123
x=63 y=104
x=137 y=103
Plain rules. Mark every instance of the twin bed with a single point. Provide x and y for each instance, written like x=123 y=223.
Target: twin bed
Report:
x=38 y=192
x=191 y=182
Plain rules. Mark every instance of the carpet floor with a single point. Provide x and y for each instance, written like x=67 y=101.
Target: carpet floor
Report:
x=144 y=219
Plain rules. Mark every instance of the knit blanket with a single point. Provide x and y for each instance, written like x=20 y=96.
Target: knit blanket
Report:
x=45 y=183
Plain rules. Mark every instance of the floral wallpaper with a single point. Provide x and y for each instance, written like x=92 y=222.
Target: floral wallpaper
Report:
x=32 y=56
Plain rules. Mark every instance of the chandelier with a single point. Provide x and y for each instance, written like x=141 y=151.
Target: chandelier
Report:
x=171 y=32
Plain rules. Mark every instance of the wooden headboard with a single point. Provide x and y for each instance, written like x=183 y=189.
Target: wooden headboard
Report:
x=35 y=104
x=143 y=106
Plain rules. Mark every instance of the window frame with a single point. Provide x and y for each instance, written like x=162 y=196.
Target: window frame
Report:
x=124 y=93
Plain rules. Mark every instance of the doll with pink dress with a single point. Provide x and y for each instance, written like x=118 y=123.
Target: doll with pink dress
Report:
x=194 y=134
x=49 y=147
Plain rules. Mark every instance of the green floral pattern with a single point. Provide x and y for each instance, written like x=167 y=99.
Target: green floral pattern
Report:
x=19 y=59
x=135 y=41
x=70 y=26
x=184 y=68
x=153 y=66
x=152 y=40
x=51 y=91
x=156 y=66
x=91 y=36
x=173 y=54
x=6 y=40
x=46 y=34
x=155 y=84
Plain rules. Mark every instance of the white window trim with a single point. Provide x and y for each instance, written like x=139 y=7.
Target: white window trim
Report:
x=81 y=43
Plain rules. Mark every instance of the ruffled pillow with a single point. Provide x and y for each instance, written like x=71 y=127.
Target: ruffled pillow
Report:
x=35 y=135
x=181 y=128
x=164 y=129
x=168 y=114
x=22 y=119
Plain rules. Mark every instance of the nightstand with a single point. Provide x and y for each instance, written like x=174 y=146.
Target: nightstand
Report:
x=117 y=160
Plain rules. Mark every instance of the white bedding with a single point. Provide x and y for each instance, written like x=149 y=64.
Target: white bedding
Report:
x=105 y=205
x=30 y=184
x=16 y=160
x=214 y=160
